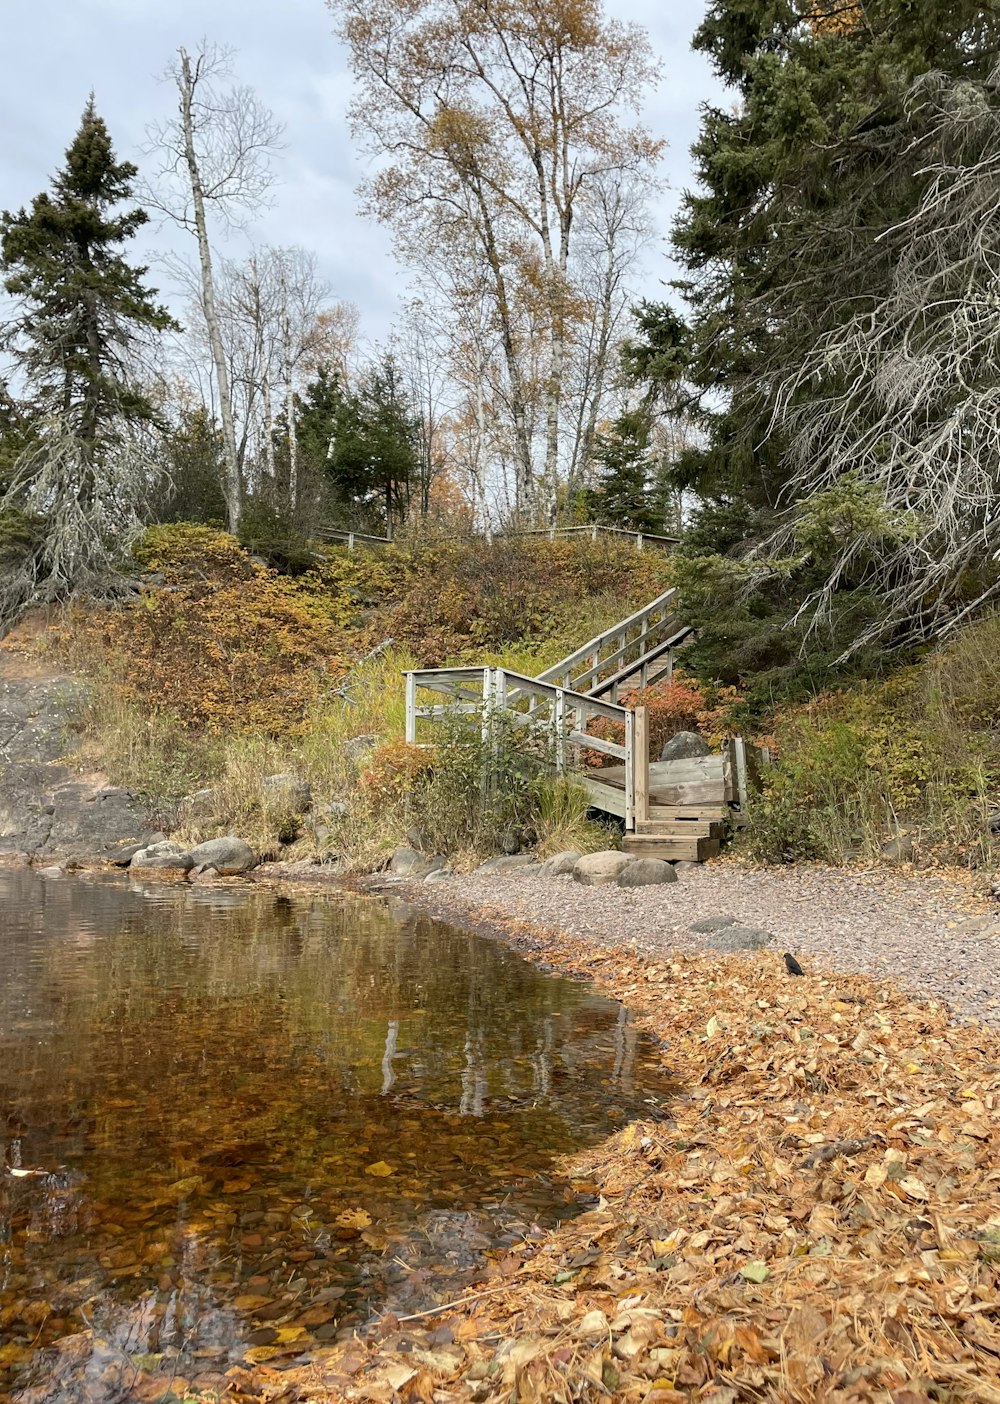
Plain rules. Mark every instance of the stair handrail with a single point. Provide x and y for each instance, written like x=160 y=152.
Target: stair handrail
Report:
x=592 y=649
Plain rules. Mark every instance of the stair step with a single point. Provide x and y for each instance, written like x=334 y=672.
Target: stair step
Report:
x=697 y=812
x=683 y=828
x=674 y=847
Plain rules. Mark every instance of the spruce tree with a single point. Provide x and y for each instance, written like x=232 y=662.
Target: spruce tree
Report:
x=84 y=318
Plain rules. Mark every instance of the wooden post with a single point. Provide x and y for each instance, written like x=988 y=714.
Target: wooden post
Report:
x=487 y=703
x=350 y=541
x=739 y=758
x=593 y=532
x=552 y=533
x=630 y=772
x=641 y=731
x=560 y=724
x=638 y=542
x=411 y=708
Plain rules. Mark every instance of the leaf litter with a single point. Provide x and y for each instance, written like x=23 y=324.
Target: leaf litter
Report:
x=817 y=1219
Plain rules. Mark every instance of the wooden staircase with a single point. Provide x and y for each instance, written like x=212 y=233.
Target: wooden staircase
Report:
x=673 y=810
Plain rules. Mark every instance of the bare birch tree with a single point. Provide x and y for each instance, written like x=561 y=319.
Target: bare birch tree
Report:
x=497 y=122
x=215 y=156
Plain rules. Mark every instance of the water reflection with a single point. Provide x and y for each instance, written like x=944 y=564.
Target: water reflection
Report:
x=257 y=1120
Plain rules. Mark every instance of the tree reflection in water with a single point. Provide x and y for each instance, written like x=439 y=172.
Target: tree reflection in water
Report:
x=260 y=1119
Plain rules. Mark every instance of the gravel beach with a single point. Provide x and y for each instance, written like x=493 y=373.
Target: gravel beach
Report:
x=931 y=935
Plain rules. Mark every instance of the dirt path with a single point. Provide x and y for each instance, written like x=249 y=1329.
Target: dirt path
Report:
x=49 y=810
x=932 y=935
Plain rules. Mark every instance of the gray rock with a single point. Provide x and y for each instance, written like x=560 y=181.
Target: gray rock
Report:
x=510 y=843
x=898 y=849
x=596 y=869
x=508 y=863
x=54 y=870
x=358 y=747
x=438 y=875
x=740 y=938
x=713 y=923
x=122 y=857
x=685 y=745
x=201 y=802
x=407 y=862
x=227 y=855
x=561 y=863
x=683 y=866
x=993 y=822
x=646 y=872
x=289 y=790
x=204 y=875
x=162 y=855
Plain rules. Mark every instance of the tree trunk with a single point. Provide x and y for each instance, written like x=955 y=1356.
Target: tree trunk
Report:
x=233 y=486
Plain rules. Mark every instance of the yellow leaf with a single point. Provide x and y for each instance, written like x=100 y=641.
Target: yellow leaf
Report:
x=353 y=1219
x=289 y=1333
x=258 y=1354
x=875 y=1176
x=913 y=1187
x=712 y=1027
x=379 y=1168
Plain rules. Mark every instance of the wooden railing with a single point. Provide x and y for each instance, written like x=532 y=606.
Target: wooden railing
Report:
x=556 y=717
x=638 y=650
x=592 y=530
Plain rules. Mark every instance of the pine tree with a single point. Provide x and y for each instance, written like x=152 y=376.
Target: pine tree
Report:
x=783 y=242
x=625 y=494
x=84 y=318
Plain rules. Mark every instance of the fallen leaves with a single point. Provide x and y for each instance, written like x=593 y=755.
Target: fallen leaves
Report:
x=819 y=1218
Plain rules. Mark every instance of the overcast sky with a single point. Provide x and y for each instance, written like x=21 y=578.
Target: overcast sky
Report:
x=56 y=51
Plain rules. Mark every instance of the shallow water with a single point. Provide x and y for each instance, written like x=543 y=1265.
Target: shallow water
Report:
x=254 y=1123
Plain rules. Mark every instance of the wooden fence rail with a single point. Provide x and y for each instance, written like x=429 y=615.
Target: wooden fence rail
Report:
x=556 y=717
x=593 y=530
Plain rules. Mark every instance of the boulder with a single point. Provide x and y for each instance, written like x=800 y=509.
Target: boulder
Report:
x=438 y=875
x=740 y=938
x=226 y=855
x=289 y=790
x=561 y=863
x=122 y=857
x=203 y=875
x=358 y=747
x=685 y=745
x=163 y=855
x=407 y=862
x=596 y=869
x=509 y=863
x=898 y=849
x=646 y=872
x=714 y=923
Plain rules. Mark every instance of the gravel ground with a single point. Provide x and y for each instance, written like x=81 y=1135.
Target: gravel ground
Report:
x=927 y=933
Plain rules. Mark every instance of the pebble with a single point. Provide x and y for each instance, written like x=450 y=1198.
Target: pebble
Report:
x=886 y=923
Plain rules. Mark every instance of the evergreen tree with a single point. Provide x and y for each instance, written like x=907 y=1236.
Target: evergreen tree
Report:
x=625 y=493
x=195 y=469
x=783 y=242
x=83 y=319
x=366 y=441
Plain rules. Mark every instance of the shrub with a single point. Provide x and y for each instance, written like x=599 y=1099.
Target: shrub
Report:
x=228 y=643
x=393 y=772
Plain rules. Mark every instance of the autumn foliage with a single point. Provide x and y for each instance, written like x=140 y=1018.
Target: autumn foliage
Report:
x=224 y=643
x=392 y=771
